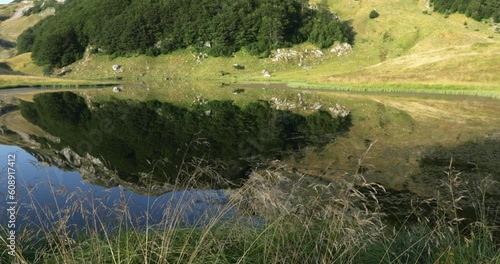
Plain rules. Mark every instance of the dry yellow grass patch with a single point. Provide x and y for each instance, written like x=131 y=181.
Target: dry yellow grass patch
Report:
x=11 y=29
x=23 y=63
x=407 y=45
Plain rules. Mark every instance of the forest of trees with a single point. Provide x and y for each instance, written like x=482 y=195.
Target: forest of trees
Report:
x=152 y=27
x=476 y=9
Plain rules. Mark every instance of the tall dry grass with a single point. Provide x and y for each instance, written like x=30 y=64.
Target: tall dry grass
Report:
x=306 y=221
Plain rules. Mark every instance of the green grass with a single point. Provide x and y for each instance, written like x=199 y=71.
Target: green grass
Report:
x=15 y=81
x=346 y=234
x=402 y=50
x=447 y=89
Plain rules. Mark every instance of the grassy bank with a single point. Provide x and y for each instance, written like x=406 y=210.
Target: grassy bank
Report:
x=17 y=81
x=424 y=52
x=347 y=234
x=492 y=90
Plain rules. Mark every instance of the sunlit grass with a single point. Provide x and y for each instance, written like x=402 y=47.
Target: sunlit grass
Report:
x=447 y=89
x=14 y=81
x=404 y=47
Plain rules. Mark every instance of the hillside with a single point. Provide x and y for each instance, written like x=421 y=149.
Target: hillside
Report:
x=13 y=23
x=476 y=9
x=408 y=44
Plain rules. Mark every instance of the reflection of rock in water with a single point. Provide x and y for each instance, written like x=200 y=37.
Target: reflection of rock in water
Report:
x=92 y=170
x=173 y=144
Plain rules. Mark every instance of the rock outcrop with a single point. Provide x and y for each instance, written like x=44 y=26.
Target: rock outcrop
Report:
x=341 y=49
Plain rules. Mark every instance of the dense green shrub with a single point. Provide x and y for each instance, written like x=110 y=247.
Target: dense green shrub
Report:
x=373 y=14
x=476 y=9
x=160 y=26
x=61 y=47
x=48 y=70
x=25 y=41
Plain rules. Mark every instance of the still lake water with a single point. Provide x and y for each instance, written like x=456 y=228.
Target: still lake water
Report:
x=127 y=137
x=43 y=191
x=126 y=147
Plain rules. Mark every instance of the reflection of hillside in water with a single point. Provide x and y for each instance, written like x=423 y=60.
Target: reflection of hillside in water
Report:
x=48 y=195
x=477 y=165
x=212 y=144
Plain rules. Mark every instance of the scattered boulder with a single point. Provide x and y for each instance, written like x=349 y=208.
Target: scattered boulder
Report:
x=266 y=73
x=199 y=100
x=299 y=56
x=284 y=54
x=238 y=67
x=317 y=106
x=341 y=49
x=64 y=72
x=280 y=104
x=373 y=14
x=339 y=110
x=206 y=44
x=200 y=56
x=318 y=53
x=117 y=89
x=71 y=156
x=116 y=67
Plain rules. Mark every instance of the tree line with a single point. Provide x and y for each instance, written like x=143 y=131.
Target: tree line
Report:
x=476 y=9
x=153 y=27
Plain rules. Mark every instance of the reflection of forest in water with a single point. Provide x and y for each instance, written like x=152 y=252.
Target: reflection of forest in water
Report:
x=134 y=137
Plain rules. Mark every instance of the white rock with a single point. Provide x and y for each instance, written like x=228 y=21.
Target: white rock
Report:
x=341 y=49
x=318 y=53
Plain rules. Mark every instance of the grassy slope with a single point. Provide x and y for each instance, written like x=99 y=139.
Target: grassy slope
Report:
x=10 y=29
x=404 y=45
x=402 y=48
